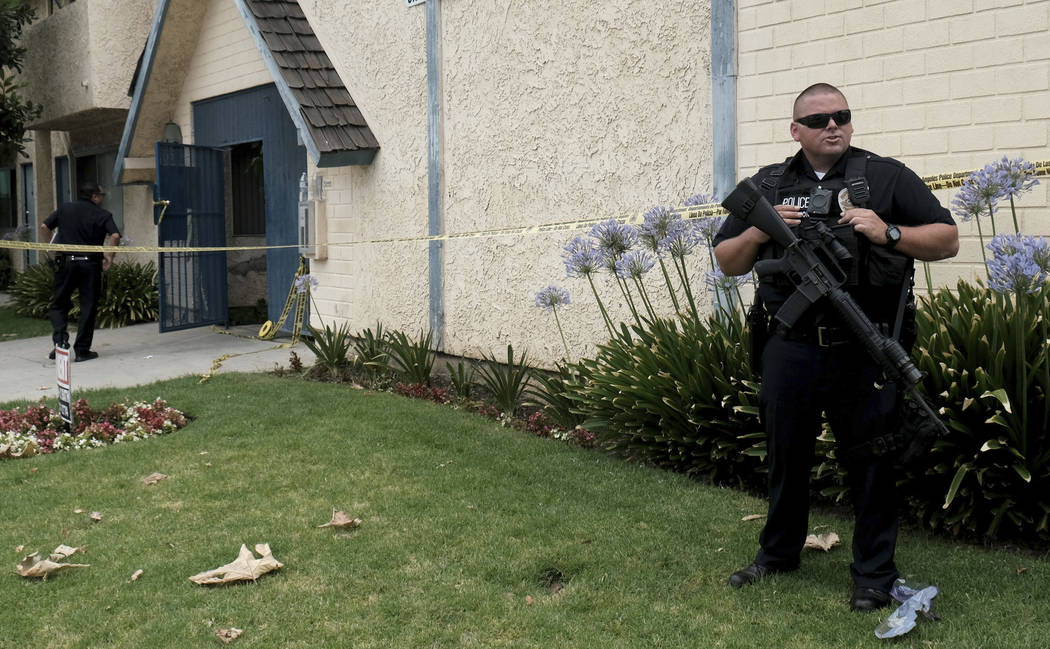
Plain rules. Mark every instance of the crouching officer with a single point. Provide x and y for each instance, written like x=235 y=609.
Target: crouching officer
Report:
x=886 y=217
x=79 y=222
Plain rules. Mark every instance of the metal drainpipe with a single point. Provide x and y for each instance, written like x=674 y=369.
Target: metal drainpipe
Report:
x=434 y=189
x=723 y=106
x=723 y=96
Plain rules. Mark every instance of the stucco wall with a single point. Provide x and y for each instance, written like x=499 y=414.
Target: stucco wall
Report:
x=551 y=112
x=943 y=85
x=225 y=60
x=82 y=56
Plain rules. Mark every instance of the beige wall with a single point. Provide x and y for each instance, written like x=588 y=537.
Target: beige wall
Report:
x=943 y=85
x=551 y=112
x=225 y=60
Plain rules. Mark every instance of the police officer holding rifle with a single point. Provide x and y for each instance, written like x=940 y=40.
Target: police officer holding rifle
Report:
x=834 y=298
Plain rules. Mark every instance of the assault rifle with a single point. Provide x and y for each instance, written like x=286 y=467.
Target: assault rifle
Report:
x=814 y=267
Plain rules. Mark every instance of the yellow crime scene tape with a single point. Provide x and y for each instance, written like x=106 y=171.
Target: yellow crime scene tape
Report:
x=934 y=182
x=298 y=297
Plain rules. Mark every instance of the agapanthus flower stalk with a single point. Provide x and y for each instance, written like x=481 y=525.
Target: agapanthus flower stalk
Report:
x=583 y=259
x=549 y=299
x=1016 y=176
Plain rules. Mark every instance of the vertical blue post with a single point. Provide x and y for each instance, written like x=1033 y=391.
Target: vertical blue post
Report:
x=723 y=96
x=723 y=107
x=434 y=226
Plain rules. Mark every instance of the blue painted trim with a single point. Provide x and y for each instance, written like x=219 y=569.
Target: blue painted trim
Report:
x=290 y=103
x=723 y=96
x=434 y=224
x=140 y=89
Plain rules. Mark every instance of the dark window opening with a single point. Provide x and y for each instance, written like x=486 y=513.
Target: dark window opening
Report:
x=246 y=188
x=8 y=200
x=62 y=186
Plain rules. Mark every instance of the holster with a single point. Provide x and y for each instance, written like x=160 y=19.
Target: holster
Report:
x=758 y=328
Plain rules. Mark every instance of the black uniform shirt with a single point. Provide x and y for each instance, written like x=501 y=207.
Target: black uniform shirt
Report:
x=897 y=195
x=83 y=223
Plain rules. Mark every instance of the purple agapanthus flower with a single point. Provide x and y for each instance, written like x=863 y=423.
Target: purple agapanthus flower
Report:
x=614 y=238
x=699 y=199
x=581 y=257
x=1015 y=176
x=656 y=225
x=552 y=297
x=635 y=263
x=682 y=238
x=967 y=203
x=716 y=280
x=989 y=184
x=305 y=283
x=709 y=226
x=1019 y=264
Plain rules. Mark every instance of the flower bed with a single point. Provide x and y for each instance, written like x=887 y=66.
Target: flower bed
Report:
x=41 y=430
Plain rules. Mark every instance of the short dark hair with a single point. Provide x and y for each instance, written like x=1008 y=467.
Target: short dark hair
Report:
x=88 y=189
x=815 y=89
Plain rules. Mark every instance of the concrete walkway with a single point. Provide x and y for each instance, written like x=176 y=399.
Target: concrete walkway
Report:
x=138 y=355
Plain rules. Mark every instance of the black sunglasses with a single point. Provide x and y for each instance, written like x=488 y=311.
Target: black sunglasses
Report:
x=820 y=120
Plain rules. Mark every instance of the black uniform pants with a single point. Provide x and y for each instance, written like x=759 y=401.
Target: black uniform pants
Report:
x=76 y=273
x=799 y=381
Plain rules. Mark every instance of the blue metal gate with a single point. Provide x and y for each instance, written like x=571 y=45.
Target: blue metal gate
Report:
x=191 y=285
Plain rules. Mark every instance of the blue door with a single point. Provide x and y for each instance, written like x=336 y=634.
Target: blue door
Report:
x=258 y=115
x=191 y=285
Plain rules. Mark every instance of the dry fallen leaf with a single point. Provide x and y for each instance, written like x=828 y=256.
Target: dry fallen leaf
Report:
x=753 y=517
x=822 y=541
x=1021 y=569
x=96 y=516
x=153 y=478
x=33 y=566
x=244 y=568
x=78 y=511
x=341 y=519
x=135 y=575
x=229 y=635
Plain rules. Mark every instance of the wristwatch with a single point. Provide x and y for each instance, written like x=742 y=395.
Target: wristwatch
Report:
x=893 y=236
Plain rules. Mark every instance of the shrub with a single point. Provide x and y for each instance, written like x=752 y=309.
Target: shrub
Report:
x=678 y=396
x=462 y=377
x=330 y=345
x=129 y=293
x=984 y=354
x=372 y=355
x=415 y=358
x=506 y=383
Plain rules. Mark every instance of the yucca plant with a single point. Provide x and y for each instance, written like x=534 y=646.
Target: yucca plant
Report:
x=462 y=376
x=371 y=352
x=414 y=358
x=506 y=383
x=330 y=345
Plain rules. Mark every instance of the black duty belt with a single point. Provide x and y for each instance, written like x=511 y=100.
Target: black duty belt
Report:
x=78 y=258
x=817 y=335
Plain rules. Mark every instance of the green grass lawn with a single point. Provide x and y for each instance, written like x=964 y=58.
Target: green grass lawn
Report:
x=13 y=326
x=466 y=526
